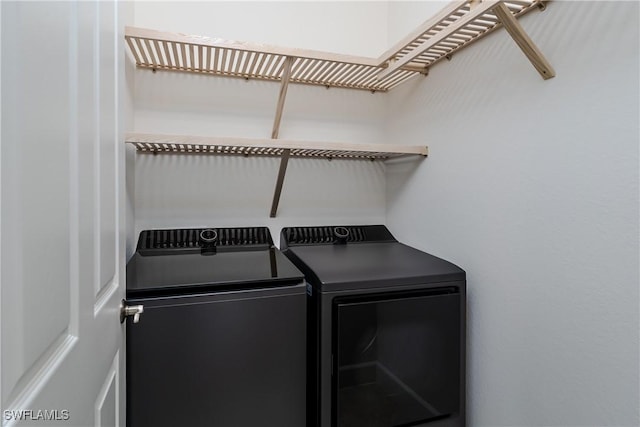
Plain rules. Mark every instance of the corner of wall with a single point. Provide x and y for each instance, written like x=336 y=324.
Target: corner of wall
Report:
x=127 y=104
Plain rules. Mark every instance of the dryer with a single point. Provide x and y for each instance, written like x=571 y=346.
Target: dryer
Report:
x=386 y=329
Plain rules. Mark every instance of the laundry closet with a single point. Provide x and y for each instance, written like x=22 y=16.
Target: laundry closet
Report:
x=272 y=127
x=505 y=189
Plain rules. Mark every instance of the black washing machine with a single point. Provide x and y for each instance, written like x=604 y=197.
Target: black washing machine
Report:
x=221 y=339
x=386 y=329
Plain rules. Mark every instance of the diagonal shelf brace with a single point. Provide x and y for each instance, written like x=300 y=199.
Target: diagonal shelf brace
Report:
x=286 y=75
x=284 y=160
x=523 y=40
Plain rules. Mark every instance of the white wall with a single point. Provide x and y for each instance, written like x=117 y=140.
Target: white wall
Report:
x=404 y=16
x=127 y=92
x=349 y=27
x=172 y=191
x=532 y=187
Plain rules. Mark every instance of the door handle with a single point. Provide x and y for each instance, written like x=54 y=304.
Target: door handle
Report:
x=130 y=310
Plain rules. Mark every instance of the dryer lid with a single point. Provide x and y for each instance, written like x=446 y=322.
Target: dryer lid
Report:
x=376 y=260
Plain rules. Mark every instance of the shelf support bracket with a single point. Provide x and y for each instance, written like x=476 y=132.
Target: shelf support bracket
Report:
x=286 y=153
x=523 y=40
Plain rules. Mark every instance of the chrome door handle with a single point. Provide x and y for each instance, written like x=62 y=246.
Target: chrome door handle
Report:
x=130 y=310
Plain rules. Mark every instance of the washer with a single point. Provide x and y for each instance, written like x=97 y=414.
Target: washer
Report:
x=221 y=340
x=386 y=327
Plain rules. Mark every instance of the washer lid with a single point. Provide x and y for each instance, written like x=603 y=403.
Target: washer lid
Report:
x=197 y=260
x=370 y=265
x=176 y=274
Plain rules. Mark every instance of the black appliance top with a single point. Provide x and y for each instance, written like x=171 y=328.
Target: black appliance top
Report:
x=297 y=236
x=186 y=261
x=352 y=257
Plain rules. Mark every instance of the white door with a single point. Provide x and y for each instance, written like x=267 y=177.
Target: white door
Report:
x=61 y=214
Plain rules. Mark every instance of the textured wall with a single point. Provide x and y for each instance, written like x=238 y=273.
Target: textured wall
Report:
x=532 y=187
x=349 y=27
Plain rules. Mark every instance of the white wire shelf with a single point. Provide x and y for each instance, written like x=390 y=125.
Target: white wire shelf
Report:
x=233 y=146
x=458 y=25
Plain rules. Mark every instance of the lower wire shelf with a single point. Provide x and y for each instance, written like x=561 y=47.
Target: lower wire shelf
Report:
x=263 y=147
x=234 y=146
